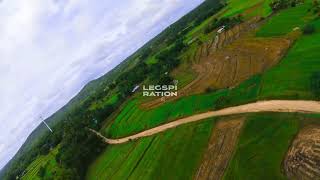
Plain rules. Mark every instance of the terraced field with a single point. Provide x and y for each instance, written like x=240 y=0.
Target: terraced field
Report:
x=240 y=59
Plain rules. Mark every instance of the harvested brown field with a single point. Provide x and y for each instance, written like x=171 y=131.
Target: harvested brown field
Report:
x=228 y=59
x=303 y=158
x=242 y=59
x=220 y=149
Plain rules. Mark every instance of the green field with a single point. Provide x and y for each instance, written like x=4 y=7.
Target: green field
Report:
x=285 y=21
x=260 y=7
x=48 y=162
x=262 y=146
x=108 y=100
x=291 y=78
x=157 y=157
x=132 y=119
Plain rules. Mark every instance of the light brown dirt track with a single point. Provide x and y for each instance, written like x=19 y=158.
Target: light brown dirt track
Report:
x=260 y=106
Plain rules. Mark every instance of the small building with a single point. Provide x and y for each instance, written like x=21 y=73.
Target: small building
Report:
x=220 y=30
x=135 y=88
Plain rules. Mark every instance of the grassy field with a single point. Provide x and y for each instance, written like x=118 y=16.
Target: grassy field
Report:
x=257 y=7
x=262 y=146
x=285 y=21
x=291 y=78
x=152 y=60
x=48 y=162
x=108 y=100
x=156 y=157
x=132 y=119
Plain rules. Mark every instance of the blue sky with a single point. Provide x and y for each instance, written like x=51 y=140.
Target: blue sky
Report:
x=49 y=49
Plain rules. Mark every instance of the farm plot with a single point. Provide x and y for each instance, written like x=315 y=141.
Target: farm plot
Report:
x=285 y=21
x=220 y=148
x=303 y=158
x=262 y=145
x=230 y=64
x=156 y=157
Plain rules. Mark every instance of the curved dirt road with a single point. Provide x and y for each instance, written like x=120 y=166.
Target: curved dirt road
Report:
x=260 y=106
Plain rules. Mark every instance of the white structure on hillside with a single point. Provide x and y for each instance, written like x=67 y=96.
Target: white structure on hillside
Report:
x=135 y=88
x=220 y=30
x=44 y=122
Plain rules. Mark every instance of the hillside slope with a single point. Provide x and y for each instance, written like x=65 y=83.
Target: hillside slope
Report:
x=103 y=90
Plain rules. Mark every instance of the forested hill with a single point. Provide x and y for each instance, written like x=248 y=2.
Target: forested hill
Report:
x=107 y=86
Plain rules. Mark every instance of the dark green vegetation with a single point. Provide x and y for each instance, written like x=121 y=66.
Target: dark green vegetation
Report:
x=188 y=22
x=315 y=84
x=277 y=5
x=309 y=29
x=227 y=22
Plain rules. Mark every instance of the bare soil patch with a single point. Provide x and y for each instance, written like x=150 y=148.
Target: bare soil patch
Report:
x=220 y=149
x=303 y=158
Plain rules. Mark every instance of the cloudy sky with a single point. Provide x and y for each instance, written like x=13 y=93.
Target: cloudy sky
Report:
x=49 y=49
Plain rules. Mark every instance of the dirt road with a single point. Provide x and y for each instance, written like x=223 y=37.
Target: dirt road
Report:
x=260 y=106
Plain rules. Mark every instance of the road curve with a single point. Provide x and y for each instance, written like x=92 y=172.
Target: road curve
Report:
x=301 y=106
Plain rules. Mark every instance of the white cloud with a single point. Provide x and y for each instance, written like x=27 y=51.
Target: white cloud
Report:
x=49 y=49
